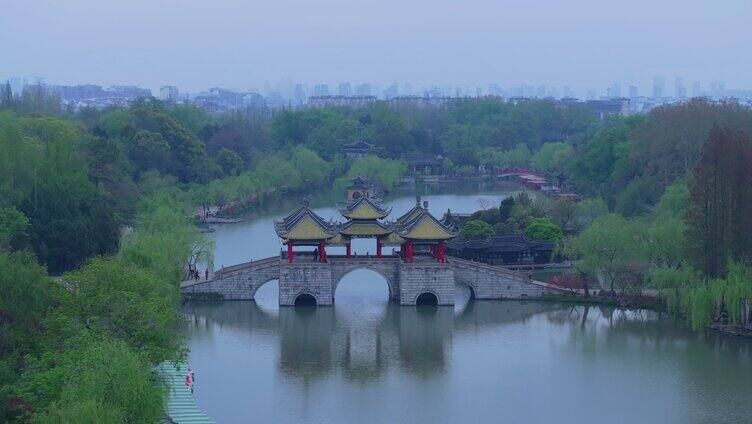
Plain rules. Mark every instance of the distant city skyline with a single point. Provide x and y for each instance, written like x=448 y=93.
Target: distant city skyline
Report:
x=291 y=89
x=582 y=44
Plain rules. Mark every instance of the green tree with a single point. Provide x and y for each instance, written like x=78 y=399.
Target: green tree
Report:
x=313 y=170
x=476 y=229
x=606 y=248
x=543 y=229
x=102 y=380
x=589 y=210
x=122 y=301
x=6 y=101
x=553 y=156
x=230 y=162
x=13 y=229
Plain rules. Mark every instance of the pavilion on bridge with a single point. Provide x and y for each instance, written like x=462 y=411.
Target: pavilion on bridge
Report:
x=305 y=228
x=417 y=232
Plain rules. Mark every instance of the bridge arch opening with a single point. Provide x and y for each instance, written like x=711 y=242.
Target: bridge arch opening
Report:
x=267 y=295
x=362 y=286
x=305 y=299
x=427 y=299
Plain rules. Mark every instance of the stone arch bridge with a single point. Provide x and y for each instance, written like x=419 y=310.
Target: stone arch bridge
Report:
x=406 y=281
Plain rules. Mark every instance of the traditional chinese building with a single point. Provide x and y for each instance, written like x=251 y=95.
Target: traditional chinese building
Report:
x=364 y=217
x=357 y=150
x=417 y=232
x=504 y=250
x=305 y=228
x=360 y=187
x=422 y=232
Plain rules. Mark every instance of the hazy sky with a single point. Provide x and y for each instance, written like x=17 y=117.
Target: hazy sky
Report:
x=241 y=44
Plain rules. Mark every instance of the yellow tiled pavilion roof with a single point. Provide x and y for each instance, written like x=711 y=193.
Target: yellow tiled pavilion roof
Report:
x=304 y=225
x=363 y=208
x=391 y=239
x=339 y=239
x=424 y=227
x=412 y=213
x=364 y=229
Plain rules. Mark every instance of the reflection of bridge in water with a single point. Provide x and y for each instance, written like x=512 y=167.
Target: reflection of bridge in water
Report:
x=315 y=341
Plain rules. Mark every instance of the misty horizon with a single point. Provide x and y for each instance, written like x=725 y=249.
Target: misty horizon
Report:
x=582 y=45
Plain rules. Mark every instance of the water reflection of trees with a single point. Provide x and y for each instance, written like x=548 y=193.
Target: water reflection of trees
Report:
x=707 y=363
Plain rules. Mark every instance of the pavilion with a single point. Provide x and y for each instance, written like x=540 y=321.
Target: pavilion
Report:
x=417 y=231
x=305 y=228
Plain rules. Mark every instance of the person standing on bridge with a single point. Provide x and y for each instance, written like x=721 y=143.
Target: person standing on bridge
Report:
x=206 y=273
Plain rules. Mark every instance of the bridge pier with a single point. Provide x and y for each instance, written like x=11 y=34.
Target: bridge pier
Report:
x=314 y=279
x=426 y=277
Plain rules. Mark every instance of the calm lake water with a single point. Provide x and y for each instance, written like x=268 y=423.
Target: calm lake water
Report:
x=366 y=360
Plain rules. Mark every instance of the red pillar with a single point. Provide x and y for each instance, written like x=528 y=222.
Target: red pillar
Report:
x=441 y=254
x=409 y=252
x=289 y=251
x=347 y=251
x=322 y=252
x=378 y=248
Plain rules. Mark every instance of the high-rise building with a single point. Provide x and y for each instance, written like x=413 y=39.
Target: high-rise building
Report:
x=717 y=89
x=344 y=89
x=169 y=93
x=540 y=91
x=659 y=85
x=680 y=91
x=391 y=92
x=321 y=90
x=633 y=93
x=299 y=96
x=696 y=89
x=363 y=90
x=614 y=90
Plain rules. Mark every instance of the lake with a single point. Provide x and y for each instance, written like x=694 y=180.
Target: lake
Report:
x=368 y=360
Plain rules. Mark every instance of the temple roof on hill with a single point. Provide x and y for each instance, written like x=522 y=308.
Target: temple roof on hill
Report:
x=304 y=224
x=424 y=226
x=504 y=243
x=363 y=208
x=365 y=229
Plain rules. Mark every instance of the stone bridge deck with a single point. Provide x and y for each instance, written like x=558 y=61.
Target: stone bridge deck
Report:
x=406 y=281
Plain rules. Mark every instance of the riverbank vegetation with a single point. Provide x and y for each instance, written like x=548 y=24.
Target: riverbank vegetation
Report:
x=666 y=208
x=102 y=200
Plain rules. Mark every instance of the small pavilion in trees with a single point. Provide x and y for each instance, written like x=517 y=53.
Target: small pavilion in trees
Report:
x=360 y=187
x=305 y=228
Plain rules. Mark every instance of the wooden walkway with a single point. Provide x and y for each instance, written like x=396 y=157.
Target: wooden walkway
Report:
x=180 y=407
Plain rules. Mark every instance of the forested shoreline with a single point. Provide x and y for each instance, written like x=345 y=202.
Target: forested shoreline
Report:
x=104 y=199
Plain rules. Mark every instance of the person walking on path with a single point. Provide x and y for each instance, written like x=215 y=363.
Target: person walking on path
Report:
x=189 y=382
x=206 y=273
